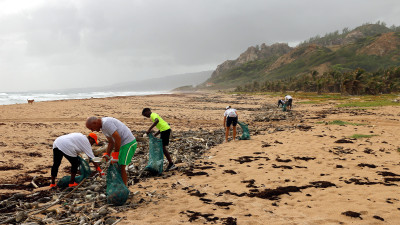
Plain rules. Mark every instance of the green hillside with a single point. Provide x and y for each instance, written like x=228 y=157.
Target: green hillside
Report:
x=342 y=60
x=370 y=47
x=243 y=74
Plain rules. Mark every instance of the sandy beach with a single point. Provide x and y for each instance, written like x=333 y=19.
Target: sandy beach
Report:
x=296 y=169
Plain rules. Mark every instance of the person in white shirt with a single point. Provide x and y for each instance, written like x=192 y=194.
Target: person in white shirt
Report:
x=120 y=139
x=289 y=100
x=69 y=146
x=230 y=118
x=281 y=102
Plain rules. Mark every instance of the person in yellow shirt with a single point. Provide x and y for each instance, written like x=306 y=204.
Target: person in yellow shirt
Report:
x=164 y=129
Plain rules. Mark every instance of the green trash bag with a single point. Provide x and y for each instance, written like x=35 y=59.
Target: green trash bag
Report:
x=284 y=107
x=245 y=129
x=85 y=172
x=117 y=192
x=156 y=156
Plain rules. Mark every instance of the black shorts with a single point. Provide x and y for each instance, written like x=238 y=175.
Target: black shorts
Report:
x=289 y=102
x=165 y=137
x=231 y=120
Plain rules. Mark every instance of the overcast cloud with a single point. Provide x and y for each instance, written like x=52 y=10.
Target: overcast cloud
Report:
x=51 y=44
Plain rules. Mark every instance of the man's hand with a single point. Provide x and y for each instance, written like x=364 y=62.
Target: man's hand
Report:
x=106 y=156
x=101 y=173
x=151 y=127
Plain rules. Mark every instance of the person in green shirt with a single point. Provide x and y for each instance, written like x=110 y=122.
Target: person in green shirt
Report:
x=163 y=129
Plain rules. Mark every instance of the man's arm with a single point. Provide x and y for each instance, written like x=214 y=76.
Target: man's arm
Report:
x=110 y=145
x=153 y=125
x=117 y=141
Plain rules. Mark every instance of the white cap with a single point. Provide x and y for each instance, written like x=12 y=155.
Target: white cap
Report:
x=227 y=107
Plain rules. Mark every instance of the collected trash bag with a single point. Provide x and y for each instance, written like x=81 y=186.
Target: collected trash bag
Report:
x=284 y=107
x=156 y=156
x=245 y=131
x=85 y=172
x=117 y=193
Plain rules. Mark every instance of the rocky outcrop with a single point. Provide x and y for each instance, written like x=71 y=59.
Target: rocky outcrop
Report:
x=352 y=37
x=251 y=54
x=295 y=54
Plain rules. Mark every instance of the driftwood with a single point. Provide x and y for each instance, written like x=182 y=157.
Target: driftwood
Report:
x=33 y=182
x=44 y=208
x=86 y=203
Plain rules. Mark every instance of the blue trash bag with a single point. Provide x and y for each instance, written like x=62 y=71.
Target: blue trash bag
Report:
x=156 y=156
x=85 y=172
x=117 y=192
x=245 y=131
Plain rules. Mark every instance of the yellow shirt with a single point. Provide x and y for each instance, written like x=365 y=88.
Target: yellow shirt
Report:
x=161 y=125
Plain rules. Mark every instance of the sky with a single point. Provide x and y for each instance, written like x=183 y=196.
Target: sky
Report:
x=58 y=44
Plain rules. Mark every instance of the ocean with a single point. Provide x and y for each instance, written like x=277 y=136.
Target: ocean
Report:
x=8 y=98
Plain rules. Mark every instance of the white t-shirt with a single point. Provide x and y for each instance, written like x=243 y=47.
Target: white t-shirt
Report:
x=110 y=125
x=230 y=112
x=287 y=97
x=74 y=143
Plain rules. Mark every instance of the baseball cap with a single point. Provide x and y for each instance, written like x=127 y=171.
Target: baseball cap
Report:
x=94 y=136
x=227 y=107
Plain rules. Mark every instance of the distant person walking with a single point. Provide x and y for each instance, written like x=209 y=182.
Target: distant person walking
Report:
x=288 y=100
x=119 y=137
x=164 y=129
x=69 y=146
x=230 y=118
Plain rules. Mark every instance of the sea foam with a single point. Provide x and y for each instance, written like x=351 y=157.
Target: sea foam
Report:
x=8 y=98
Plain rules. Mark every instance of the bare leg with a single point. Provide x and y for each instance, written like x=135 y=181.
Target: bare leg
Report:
x=227 y=134
x=124 y=175
x=234 y=133
x=166 y=153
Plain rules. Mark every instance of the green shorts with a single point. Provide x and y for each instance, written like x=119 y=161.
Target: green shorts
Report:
x=126 y=153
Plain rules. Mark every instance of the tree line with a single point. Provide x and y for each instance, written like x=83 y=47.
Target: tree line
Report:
x=337 y=38
x=356 y=82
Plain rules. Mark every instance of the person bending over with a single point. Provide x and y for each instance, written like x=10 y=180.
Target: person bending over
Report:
x=120 y=139
x=289 y=101
x=164 y=129
x=281 y=102
x=230 y=118
x=69 y=146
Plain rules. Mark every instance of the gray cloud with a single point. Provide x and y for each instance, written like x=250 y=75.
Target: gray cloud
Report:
x=78 y=43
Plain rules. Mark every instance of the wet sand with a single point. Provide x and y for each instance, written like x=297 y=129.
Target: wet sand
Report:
x=294 y=170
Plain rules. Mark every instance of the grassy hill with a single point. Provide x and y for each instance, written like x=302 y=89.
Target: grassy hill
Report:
x=370 y=47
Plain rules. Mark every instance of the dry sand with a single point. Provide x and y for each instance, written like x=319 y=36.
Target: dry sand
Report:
x=292 y=172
